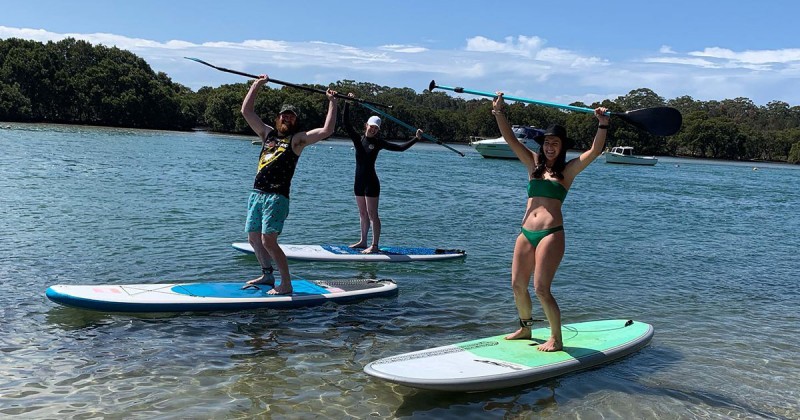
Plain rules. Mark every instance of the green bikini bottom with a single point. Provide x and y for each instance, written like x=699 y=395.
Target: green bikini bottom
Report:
x=536 y=236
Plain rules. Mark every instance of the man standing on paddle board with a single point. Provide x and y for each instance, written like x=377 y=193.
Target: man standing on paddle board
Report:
x=268 y=205
x=540 y=245
x=367 y=187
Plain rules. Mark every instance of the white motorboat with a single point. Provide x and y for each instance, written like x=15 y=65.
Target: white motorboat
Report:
x=498 y=148
x=624 y=155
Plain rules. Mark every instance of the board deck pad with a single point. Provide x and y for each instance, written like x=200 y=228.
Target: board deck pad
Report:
x=180 y=297
x=300 y=288
x=494 y=362
x=327 y=252
x=391 y=250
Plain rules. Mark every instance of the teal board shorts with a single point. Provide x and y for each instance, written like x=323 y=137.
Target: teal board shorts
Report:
x=266 y=212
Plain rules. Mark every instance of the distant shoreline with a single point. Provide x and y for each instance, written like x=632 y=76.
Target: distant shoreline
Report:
x=10 y=126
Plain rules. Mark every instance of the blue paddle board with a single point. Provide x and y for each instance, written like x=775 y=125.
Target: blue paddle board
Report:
x=494 y=362
x=345 y=253
x=180 y=297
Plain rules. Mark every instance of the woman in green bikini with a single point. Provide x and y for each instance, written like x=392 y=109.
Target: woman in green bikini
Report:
x=540 y=245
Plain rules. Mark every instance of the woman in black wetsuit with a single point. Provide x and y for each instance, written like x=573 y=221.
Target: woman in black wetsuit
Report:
x=367 y=187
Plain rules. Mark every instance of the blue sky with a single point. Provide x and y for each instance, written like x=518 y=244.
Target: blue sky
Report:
x=559 y=51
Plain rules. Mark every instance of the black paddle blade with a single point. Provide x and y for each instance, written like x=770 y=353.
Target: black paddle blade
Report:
x=432 y=86
x=661 y=120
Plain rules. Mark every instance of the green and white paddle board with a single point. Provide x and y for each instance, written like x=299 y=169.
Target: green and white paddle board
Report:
x=494 y=362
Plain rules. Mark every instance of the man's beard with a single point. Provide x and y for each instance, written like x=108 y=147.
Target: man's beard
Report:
x=285 y=128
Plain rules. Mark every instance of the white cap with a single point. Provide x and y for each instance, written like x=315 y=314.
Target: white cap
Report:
x=374 y=120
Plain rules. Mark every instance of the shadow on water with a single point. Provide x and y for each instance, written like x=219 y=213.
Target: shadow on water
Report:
x=548 y=394
x=70 y=319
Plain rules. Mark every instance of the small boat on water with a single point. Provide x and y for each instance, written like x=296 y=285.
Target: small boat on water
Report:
x=624 y=155
x=499 y=149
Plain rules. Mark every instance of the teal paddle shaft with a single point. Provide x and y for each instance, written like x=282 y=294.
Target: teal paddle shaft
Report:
x=407 y=126
x=433 y=85
x=660 y=120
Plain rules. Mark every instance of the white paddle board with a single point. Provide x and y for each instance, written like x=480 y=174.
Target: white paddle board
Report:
x=494 y=363
x=179 y=297
x=345 y=253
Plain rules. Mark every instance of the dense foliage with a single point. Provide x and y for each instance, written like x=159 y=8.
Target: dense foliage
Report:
x=74 y=82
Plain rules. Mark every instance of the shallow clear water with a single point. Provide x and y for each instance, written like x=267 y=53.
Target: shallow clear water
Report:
x=707 y=252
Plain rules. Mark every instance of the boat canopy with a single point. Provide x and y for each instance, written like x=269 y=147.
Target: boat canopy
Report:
x=623 y=150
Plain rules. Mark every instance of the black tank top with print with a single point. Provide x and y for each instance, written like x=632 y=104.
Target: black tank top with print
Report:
x=276 y=165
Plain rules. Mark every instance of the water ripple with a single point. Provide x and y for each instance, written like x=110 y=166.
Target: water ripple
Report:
x=705 y=251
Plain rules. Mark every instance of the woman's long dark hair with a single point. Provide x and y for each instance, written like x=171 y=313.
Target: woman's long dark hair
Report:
x=558 y=167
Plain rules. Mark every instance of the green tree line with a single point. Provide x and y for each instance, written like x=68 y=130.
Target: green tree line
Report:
x=74 y=82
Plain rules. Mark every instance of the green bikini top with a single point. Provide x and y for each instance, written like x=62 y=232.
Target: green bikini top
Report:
x=546 y=188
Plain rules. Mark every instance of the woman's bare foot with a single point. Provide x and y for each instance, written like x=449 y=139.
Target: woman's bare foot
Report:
x=371 y=250
x=521 y=334
x=359 y=245
x=550 y=345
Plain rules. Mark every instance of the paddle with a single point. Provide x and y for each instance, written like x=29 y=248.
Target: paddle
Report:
x=281 y=82
x=661 y=120
x=409 y=127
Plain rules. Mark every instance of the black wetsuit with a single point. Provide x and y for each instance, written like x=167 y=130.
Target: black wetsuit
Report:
x=366 y=181
x=276 y=165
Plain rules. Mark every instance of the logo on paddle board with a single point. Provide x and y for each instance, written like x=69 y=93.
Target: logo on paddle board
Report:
x=501 y=364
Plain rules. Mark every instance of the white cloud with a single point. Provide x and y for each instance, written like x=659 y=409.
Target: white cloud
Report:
x=723 y=58
x=530 y=51
x=411 y=49
x=666 y=49
x=27 y=33
x=751 y=57
x=696 y=62
x=561 y=57
x=522 y=64
x=523 y=45
x=260 y=44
